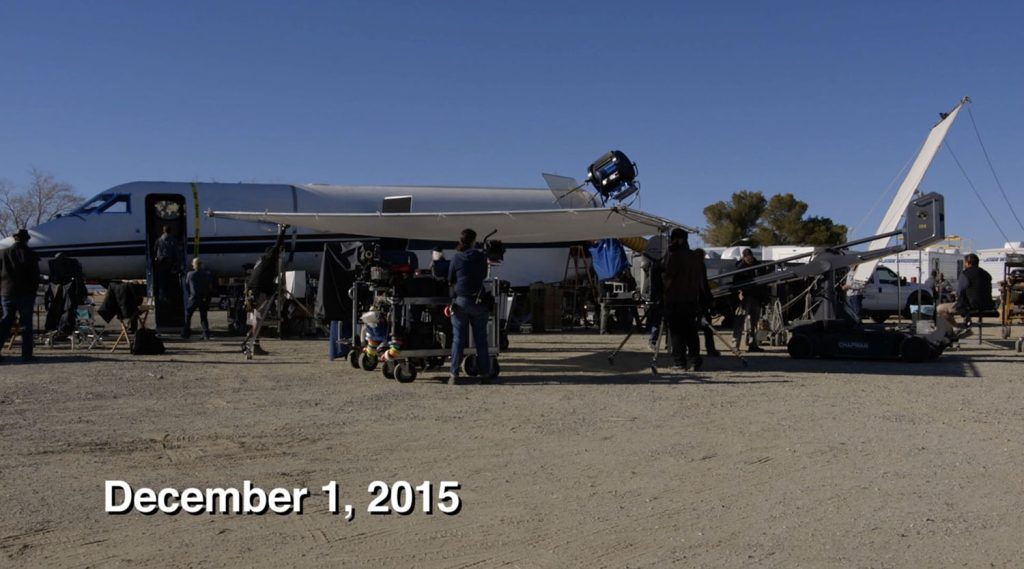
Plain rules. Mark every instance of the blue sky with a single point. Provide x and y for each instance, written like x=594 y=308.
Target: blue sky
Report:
x=825 y=99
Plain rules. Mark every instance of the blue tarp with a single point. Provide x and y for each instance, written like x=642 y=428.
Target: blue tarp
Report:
x=609 y=258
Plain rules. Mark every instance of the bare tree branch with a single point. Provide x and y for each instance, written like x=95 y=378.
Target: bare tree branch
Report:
x=44 y=199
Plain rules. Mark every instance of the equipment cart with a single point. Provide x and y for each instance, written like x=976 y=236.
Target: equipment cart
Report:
x=418 y=332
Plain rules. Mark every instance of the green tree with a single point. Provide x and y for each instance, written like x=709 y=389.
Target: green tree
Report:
x=776 y=221
x=782 y=221
x=823 y=231
x=729 y=222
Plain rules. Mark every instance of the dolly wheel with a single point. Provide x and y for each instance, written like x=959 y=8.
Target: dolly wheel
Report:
x=353 y=358
x=469 y=366
x=800 y=347
x=915 y=349
x=388 y=369
x=366 y=362
x=405 y=372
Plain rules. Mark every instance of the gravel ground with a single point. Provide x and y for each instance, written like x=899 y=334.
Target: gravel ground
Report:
x=565 y=462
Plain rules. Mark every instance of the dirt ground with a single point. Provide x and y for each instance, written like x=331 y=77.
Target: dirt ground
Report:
x=566 y=462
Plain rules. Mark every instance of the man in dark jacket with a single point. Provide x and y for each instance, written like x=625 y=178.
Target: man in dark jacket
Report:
x=973 y=292
x=466 y=276
x=19 y=280
x=748 y=301
x=686 y=294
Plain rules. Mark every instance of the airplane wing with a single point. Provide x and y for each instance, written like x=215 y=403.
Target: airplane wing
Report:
x=529 y=226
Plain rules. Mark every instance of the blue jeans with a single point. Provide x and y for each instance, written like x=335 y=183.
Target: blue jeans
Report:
x=465 y=313
x=22 y=307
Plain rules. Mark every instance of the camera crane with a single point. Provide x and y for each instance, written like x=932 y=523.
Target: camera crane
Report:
x=833 y=331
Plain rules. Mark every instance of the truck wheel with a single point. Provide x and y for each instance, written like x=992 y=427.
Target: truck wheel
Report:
x=800 y=347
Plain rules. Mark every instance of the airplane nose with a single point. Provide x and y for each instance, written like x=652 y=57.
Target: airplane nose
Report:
x=36 y=239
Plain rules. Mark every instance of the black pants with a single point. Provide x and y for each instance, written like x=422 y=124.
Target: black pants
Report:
x=752 y=306
x=683 y=325
x=709 y=339
x=203 y=306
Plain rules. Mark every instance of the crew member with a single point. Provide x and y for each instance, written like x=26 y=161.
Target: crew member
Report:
x=19 y=280
x=167 y=256
x=748 y=302
x=705 y=319
x=686 y=295
x=973 y=293
x=198 y=285
x=438 y=264
x=470 y=307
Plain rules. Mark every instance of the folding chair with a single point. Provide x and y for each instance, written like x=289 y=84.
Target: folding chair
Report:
x=87 y=331
x=126 y=335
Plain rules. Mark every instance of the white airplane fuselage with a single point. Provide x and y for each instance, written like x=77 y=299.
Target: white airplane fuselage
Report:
x=112 y=233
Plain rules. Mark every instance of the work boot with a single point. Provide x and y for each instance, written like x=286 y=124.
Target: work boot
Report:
x=453 y=379
x=259 y=351
x=754 y=348
x=713 y=352
x=697 y=363
x=206 y=335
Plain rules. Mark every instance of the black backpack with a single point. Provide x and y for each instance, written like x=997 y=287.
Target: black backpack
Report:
x=147 y=343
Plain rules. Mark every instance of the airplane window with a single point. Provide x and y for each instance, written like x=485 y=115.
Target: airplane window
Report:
x=166 y=209
x=119 y=204
x=91 y=205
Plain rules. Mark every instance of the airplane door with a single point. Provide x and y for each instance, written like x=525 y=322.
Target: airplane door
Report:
x=165 y=257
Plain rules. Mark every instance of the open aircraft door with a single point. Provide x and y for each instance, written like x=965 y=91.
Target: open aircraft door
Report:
x=166 y=280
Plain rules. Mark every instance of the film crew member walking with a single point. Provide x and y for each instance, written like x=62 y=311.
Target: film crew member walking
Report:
x=19 y=280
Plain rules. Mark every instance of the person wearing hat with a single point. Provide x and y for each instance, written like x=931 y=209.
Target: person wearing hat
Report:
x=438 y=264
x=749 y=299
x=19 y=280
x=687 y=293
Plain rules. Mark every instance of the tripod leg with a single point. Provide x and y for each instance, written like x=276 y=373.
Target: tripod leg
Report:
x=734 y=348
x=640 y=321
x=657 y=345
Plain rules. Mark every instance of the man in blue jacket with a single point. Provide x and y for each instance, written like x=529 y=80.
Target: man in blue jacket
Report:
x=471 y=306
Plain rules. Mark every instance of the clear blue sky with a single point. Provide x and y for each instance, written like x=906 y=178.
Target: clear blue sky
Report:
x=825 y=99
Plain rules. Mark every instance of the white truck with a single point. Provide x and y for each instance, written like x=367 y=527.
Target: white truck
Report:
x=887 y=294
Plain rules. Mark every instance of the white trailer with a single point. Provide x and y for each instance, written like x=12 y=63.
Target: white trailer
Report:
x=917 y=266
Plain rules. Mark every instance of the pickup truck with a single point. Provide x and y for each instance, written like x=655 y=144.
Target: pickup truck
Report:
x=886 y=294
